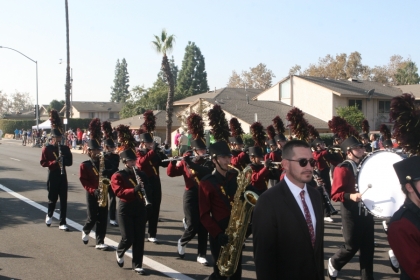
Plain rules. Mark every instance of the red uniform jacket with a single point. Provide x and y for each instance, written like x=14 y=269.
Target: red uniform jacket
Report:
x=324 y=159
x=404 y=239
x=89 y=176
x=181 y=168
x=123 y=183
x=148 y=162
x=275 y=156
x=240 y=159
x=49 y=155
x=343 y=184
x=215 y=195
x=260 y=176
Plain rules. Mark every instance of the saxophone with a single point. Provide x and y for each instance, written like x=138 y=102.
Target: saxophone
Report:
x=103 y=182
x=240 y=217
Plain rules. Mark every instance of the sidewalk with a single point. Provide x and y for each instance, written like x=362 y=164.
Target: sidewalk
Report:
x=19 y=142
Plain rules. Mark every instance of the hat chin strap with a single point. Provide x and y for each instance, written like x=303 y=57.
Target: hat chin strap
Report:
x=226 y=170
x=359 y=158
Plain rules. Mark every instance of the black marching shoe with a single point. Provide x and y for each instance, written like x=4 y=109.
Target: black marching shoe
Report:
x=120 y=261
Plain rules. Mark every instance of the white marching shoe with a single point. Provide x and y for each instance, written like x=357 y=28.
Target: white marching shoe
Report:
x=202 y=260
x=85 y=238
x=120 y=261
x=328 y=220
x=113 y=223
x=102 y=247
x=48 y=220
x=181 y=249
x=153 y=240
x=64 y=227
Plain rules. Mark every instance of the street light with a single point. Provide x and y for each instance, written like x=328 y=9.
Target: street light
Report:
x=36 y=63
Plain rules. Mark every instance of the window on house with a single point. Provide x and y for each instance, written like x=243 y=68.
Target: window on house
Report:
x=356 y=102
x=113 y=115
x=384 y=106
x=91 y=115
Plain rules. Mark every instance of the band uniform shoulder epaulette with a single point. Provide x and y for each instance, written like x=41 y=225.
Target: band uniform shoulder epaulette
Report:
x=398 y=215
x=87 y=162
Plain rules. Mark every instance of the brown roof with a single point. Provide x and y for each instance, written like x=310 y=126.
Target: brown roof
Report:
x=414 y=89
x=95 y=106
x=136 y=121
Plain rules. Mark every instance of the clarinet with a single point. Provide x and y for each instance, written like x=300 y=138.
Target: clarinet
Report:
x=327 y=201
x=60 y=156
x=142 y=192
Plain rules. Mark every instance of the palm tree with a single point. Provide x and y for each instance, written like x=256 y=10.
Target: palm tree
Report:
x=67 y=86
x=163 y=45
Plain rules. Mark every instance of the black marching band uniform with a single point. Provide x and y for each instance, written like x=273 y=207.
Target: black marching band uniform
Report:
x=131 y=210
x=114 y=160
x=358 y=223
x=57 y=185
x=149 y=161
x=89 y=177
x=192 y=171
x=275 y=154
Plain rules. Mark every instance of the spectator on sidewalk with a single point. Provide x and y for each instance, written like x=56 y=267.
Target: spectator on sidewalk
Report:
x=16 y=134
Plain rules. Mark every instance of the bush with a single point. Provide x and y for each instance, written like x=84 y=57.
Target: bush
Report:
x=9 y=126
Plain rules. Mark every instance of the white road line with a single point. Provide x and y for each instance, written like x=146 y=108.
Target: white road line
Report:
x=15 y=159
x=147 y=261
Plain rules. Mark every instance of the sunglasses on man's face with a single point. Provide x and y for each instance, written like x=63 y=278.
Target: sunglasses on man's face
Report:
x=303 y=161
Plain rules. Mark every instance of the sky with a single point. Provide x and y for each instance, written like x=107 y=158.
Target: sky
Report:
x=232 y=35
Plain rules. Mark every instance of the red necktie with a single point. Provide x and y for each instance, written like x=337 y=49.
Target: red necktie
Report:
x=308 y=218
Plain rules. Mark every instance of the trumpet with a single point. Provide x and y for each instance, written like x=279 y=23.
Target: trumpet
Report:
x=206 y=156
x=274 y=164
x=336 y=150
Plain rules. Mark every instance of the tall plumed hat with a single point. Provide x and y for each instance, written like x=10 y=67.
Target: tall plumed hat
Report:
x=342 y=128
x=236 y=132
x=196 y=126
x=220 y=131
x=127 y=141
x=107 y=129
x=95 y=135
x=365 y=130
x=314 y=138
x=258 y=135
x=148 y=126
x=298 y=124
x=56 y=124
x=271 y=134
x=386 y=133
x=279 y=128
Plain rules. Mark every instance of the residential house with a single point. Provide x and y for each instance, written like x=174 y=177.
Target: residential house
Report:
x=105 y=111
x=413 y=89
x=320 y=97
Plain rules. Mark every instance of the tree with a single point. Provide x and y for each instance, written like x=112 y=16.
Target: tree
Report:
x=193 y=76
x=258 y=77
x=407 y=75
x=295 y=70
x=174 y=70
x=163 y=45
x=120 y=92
x=67 y=86
x=4 y=104
x=352 y=115
x=133 y=105
x=56 y=105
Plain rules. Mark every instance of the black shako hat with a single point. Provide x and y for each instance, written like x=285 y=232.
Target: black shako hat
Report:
x=316 y=142
x=220 y=148
x=128 y=155
x=198 y=144
x=363 y=136
x=350 y=142
x=271 y=142
x=94 y=144
x=236 y=140
x=280 y=137
x=388 y=144
x=146 y=137
x=110 y=143
x=408 y=169
x=55 y=132
x=255 y=151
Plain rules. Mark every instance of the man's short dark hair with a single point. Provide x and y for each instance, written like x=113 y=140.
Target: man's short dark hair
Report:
x=289 y=146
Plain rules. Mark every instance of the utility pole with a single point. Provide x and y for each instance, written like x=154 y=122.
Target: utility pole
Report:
x=67 y=86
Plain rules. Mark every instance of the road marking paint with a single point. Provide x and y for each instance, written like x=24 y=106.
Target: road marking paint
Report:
x=15 y=159
x=146 y=260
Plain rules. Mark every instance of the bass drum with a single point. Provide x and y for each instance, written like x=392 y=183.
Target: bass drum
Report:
x=379 y=184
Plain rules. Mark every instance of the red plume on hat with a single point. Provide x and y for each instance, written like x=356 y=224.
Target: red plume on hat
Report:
x=271 y=132
x=125 y=137
x=235 y=128
x=365 y=126
x=149 y=121
x=298 y=124
x=95 y=130
x=342 y=128
x=196 y=126
x=218 y=122
x=107 y=128
x=313 y=133
x=258 y=135
x=278 y=125
x=384 y=130
x=56 y=121
x=406 y=119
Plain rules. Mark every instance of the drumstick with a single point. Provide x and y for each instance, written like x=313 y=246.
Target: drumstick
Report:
x=369 y=187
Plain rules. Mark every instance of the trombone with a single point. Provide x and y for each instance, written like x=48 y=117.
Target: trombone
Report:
x=206 y=156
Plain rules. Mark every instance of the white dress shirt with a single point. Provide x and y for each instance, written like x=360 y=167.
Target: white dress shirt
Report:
x=296 y=194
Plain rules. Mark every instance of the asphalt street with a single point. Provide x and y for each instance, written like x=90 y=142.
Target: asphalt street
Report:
x=31 y=250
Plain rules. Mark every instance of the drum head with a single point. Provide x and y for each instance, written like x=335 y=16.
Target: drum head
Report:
x=385 y=196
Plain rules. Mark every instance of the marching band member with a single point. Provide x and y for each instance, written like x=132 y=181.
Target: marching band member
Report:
x=404 y=229
x=216 y=192
x=364 y=137
x=193 y=171
x=274 y=155
x=149 y=158
x=114 y=158
x=358 y=224
x=239 y=158
x=92 y=174
x=56 y=157
x=128 y=185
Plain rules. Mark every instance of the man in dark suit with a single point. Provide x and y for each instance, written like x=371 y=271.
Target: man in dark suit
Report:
x=288 y=222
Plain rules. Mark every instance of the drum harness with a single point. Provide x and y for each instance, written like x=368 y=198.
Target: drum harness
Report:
x=355 y=172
